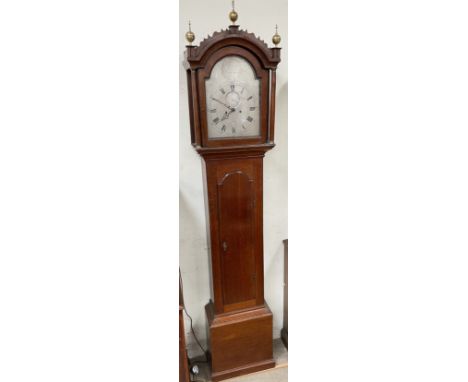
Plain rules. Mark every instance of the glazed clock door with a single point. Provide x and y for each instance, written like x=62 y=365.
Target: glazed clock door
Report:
x=232 y=98
x=236 y=203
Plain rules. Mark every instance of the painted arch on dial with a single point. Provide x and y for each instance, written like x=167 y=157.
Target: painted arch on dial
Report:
x=233 y=99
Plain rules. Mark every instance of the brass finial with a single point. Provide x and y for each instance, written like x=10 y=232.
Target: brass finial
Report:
x=276 y=37
x=233 y=14
x=190 y=36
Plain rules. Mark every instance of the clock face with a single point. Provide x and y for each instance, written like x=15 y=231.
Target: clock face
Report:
x=233 y=99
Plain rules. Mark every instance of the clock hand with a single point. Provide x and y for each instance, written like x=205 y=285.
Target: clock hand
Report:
x=226 y=114
x=222 y=103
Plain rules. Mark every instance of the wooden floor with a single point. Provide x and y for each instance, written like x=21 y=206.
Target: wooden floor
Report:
x=278 y=374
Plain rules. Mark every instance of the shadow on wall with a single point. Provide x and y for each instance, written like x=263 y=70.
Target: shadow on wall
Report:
x=282 y=110
x=193 y=246
x=275 y=215
x=193 y=252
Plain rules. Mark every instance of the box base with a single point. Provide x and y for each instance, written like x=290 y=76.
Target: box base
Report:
x=240 y=342
x=246 y=369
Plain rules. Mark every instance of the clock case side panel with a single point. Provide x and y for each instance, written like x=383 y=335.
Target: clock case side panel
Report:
x=193 y=99
x=212 y=232
x=271 y=115
x=215 y=170
x=208 y=232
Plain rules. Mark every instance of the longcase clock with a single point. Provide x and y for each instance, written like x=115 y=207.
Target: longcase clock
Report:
x=231 y=86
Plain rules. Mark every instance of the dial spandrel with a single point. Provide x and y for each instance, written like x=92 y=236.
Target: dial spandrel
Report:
x=233 y=99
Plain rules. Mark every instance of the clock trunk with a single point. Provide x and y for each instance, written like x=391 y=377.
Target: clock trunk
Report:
x=235 y=210
x=240 y=324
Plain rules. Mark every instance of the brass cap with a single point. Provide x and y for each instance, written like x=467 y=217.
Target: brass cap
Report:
x=190 y=36
x=276 y=37
x=233 y=14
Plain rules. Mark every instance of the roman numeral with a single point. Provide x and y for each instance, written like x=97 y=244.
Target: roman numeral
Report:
x=222 y=91
x=216 y=120
x=233 y=129
x=243 y=127
x=223 y=129
x=232 y=87
x=252 y=108
x=248 y=99
x=249 y=118
x=212 y=110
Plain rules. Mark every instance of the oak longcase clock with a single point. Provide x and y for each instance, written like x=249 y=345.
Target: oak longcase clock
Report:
x=231 y=86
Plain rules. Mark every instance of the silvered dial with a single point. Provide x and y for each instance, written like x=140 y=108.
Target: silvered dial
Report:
x=232 y=99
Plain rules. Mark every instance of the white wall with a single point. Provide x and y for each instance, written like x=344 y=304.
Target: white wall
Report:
x=259 y=17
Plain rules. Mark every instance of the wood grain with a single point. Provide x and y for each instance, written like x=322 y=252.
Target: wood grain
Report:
x=240 y=342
